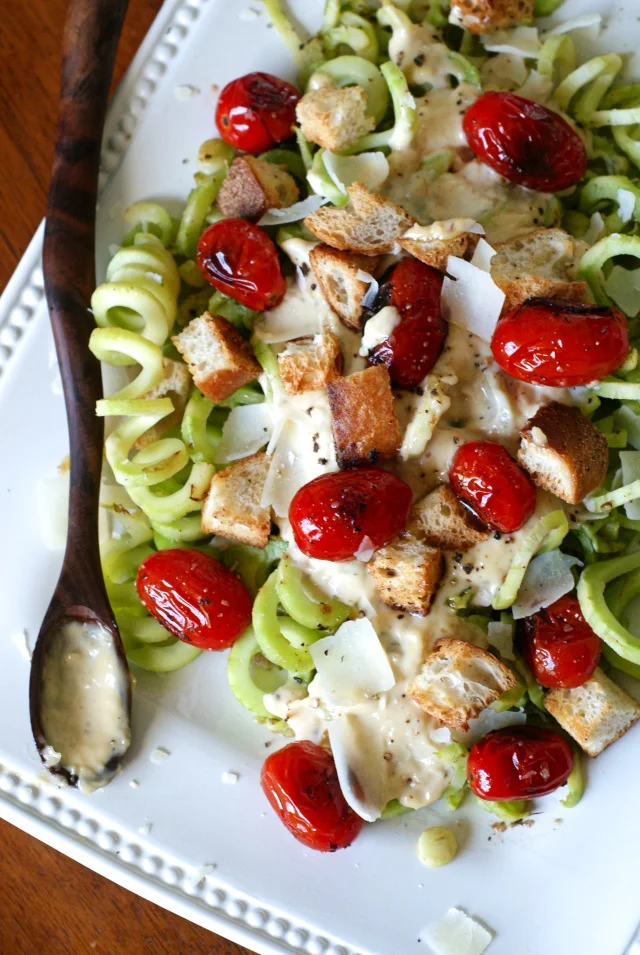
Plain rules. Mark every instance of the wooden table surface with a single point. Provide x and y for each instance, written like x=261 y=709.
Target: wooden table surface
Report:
x=47 y=902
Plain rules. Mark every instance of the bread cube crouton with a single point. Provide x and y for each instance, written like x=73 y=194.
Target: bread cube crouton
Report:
x=310 y=363
x=406 y=574
x=337 y=275
x=442 y=520
x=334 y=118
x=254 y=185
x=485 y=16
x=595 y=714
x=372 y=226
x=175 y=384
x=232 y=507
x=564 y=452
x=219 y=359
x=458 y=681
x=434 y=244
x=538 y=264
x=365 y=427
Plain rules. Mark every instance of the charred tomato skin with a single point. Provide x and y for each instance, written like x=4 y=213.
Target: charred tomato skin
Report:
x=484 y=475
x=301 y=783
x=415 y=344
x=239 y=259
x=558 y=644
x=334 y=515
x=195 y=597
x=256 y=112
x=518 y=763
x=525 y=142
x=548 y=342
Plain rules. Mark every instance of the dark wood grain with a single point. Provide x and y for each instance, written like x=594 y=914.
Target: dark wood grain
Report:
x=49 y=903
x=90 y=40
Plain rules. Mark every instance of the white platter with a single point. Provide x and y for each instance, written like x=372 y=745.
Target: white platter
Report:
x=552 y=889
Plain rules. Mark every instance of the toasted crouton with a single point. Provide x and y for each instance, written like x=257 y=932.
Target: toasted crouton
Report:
x=175 y=384
x=406 y=574
x=365 y=427
x=373 y=226
x=232 y=507
x=564 y=452
x=538 y=264
x=485 y=16
x=220 y=361
x=595 y=714
x=254 y=185
x=434 y=244
x=458 y=680
x=334 y=118
x=310 y=363
x=337 y=275
x=443 y=521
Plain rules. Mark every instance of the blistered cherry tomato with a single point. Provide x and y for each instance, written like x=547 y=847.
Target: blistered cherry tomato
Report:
x=485 y=476
x=301 y=783
x=194 y=597
x=525 y=142
x=545 y=342
x=518 y=763
x=335 y=514
x=239 y=259
x=256 y=111
x=559 y=646
x=415 y=344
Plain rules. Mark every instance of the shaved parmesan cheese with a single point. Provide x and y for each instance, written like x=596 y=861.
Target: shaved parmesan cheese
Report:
x=441 y=735
x=522 y=41
x=483 y=255
x=428 y=408
x=378 y=328
x=504 y=70
x=22 y=644
x=626 y=204
x=536 y=87
x=352 y=664
x=369 y=296
x=625 y=418
x=456 y=934
x=371 y=169
x=595 y=230
x=548 y=578
x=470 y=298
x=443 y=229
x=501 y=637
x=247 y=429
x=589 y=21
x=293 y=213
x=359 y=768
x=295 y=317
x=53 y=502
x=292 y=466
x=630 y=461
x=488 y=721
x=366 y=550
x=623 y=285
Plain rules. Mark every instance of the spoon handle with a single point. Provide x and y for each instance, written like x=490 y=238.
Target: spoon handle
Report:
x=90 y=41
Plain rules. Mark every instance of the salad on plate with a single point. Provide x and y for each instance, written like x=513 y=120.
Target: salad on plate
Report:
x=378 y=434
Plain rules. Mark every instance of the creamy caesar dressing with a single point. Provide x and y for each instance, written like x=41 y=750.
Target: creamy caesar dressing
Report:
x=84 y=703
x=422 y=58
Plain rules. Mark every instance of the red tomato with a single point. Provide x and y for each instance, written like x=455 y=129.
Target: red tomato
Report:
x=415 y=344
x=518 y=763
x=194 y=597
x=560 y=344
x=239 y=259
x=525 y=142
x=256 y=111
x=559 y=646
x=332 y=515
x=485 y=476
x=301 y=783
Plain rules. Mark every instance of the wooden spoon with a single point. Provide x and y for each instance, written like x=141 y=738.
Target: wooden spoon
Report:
x=80 y=688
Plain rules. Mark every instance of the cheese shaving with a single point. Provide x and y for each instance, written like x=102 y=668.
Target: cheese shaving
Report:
x=456 y=934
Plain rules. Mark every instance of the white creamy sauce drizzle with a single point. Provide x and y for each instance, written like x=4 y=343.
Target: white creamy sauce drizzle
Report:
x=391 y=751
x=83 y=703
